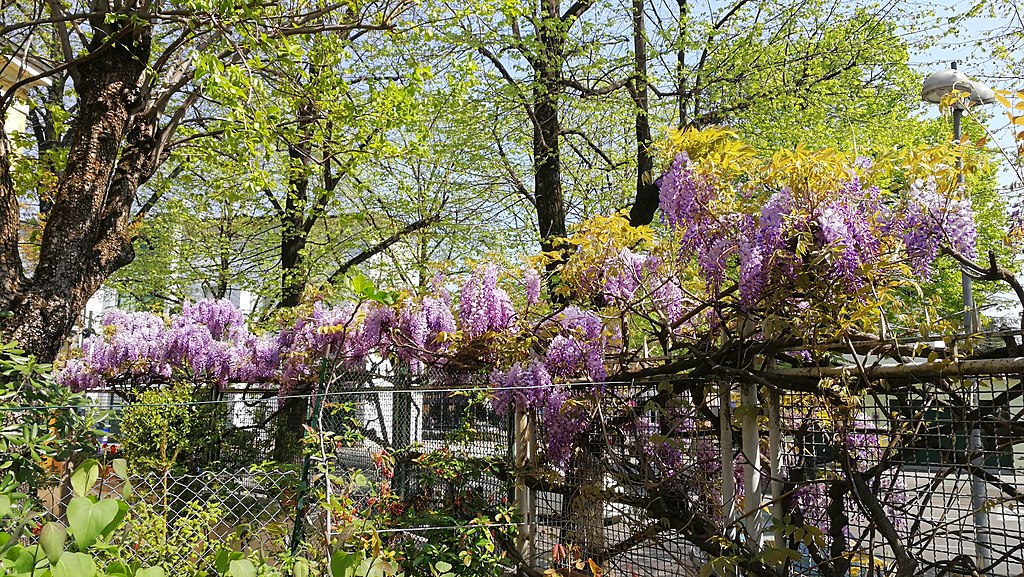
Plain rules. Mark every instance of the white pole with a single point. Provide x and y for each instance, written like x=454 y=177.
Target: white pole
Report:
x=752 y=520
x=775 y=454
x=979 y=488
x=725 y=447
x=524 y=496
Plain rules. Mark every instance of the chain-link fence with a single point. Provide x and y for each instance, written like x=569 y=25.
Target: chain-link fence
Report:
x=370 y=451
x=857 y=470
x=919 y=469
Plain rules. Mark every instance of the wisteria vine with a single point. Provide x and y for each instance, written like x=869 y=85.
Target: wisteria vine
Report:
x=769 y=238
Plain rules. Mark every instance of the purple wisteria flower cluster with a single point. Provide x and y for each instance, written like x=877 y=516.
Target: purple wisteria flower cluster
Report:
x=576 y=350
x=210 y=342
x=484 y=306
x=530 y=388
x=933 y=219
x=849 y=224
x=207 y=342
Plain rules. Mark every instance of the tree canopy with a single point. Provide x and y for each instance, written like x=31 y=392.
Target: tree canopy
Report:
x=187 y=148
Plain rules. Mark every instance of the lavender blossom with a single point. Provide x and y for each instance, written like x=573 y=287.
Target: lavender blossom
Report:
x=483 y=305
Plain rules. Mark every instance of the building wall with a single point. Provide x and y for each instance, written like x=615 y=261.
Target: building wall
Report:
x=13 y=70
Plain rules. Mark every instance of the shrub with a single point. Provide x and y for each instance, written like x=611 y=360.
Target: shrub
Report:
x=164 y=429
x=42 y=422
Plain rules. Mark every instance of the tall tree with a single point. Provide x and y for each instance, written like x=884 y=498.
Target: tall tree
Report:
x=778 y=70
x=132 y=71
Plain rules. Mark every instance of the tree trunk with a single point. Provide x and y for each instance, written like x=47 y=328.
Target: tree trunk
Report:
x=294 y=233
x=293 y=279
x=839 y=562
x=647 y=194
x=288 y=430
x=583 y=506
x=547 y=129
x=87 y=235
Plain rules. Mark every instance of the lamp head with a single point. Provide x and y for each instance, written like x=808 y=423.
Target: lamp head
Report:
x=943 y=82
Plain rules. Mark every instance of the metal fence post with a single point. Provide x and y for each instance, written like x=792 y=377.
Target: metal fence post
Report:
x=300 y=503
x=725 y=453
x=752 y=518
x=775 y=456
x=401 y=411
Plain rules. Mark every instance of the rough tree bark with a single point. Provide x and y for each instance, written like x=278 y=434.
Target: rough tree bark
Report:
x=87 y=234
x=642 y=211
x=547 y=128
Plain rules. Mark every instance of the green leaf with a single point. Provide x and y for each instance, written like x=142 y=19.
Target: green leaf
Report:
x=241 y=568
x=51 y=539
x=300 y=568
x=75 y=565
x=122 y=510
x=150 y=572
x=224 y=559
x=88 y=519
x=84 y=477
x=24 y=562
x=220 y=562
x=342 y=563
x=120 y=468
x=5 y=505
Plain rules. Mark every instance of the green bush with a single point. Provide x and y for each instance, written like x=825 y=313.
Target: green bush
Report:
x=165 y=429
x=40 y=420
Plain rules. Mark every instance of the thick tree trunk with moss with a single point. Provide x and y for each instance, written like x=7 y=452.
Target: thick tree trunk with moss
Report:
x=87 y=233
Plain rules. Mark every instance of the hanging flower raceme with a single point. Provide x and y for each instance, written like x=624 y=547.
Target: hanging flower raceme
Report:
x=191 y=349
x=578 y=348
x=933 y=218
x=256 y=359
x=222 y=318
x=127 y=343
x=687 y=200
x=532 y=280
x=421 y=326
x=79 y=376
x=521 y=388
x=625 y=274
x=483 y=305
x=530 y=388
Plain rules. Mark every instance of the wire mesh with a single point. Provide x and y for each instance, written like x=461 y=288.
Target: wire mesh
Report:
x=954 y=503
x=180 y=520
x=653 y=482
x=392 y=449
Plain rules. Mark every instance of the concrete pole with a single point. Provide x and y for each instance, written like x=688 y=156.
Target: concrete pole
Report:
x=725 y=447
x=979 y=488
x=752 y=519
x=525 y=453
x=775 y=454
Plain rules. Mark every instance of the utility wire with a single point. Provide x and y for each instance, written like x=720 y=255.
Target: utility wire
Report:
x=279 y=398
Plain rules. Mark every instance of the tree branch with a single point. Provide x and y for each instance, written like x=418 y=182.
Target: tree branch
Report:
x=382 y=246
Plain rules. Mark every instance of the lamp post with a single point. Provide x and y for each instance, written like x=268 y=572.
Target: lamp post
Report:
x=935 y=87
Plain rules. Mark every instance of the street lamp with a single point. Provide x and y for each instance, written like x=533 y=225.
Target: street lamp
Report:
x=935 y=87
